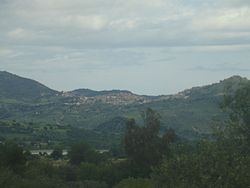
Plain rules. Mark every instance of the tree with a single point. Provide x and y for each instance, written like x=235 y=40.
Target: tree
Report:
x=168 y=138
x=142 y=144
x=57 y=153
x=82 y=152
x=238 y=104
x=11 y=155
x=135 y=183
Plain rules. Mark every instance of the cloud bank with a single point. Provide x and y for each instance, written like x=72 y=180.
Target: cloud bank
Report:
x=93 y=35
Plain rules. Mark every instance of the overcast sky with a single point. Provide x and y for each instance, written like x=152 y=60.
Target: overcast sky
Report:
x=146 y=46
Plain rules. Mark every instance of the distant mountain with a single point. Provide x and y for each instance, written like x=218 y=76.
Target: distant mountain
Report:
x=14 y=88
x=92 y=93
x=191 y=112
x=115 y=97
x=217 y=89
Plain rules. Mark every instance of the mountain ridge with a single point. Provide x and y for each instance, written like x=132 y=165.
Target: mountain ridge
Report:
x=22 y=89
x=85 y=92
x=189 y=112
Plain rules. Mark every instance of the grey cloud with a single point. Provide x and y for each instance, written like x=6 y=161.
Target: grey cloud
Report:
x=110 y=23
x=110 y=37
x=222 y=67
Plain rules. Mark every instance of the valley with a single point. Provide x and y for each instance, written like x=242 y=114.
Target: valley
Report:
x=33 y=113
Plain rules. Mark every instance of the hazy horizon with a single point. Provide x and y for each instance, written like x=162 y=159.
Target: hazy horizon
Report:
x=148 y=47
x=122 y=89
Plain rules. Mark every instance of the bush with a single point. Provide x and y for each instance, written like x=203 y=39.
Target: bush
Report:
x=135 y=183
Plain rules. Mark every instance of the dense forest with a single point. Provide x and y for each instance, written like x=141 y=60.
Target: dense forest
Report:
x=145 y=158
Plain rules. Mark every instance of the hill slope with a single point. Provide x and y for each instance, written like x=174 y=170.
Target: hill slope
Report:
x=18 y=89
x=190 y=113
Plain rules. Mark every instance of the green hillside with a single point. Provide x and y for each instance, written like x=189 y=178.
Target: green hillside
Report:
x=17 y=89
x=191 y=113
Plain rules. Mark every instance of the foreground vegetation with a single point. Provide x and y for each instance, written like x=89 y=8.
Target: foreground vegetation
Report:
x=147 y=159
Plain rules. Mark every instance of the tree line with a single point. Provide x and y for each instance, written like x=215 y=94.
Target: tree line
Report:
x=146 y=160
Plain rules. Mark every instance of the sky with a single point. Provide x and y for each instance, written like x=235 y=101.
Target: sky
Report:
x=146 y=46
